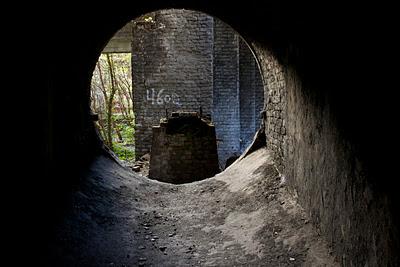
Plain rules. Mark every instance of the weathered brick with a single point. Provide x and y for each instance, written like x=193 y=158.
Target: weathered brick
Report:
x=184 y=60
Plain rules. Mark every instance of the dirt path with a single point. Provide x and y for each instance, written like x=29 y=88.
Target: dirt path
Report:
x=242 y=217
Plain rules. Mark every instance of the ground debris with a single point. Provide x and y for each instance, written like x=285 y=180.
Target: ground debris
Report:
x=238 y=218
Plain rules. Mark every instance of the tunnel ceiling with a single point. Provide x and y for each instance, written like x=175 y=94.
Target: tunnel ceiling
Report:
x=336 y=60
x=324 y=48
x=336 y=49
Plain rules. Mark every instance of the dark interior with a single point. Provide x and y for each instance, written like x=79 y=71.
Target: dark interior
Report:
x=339 y=56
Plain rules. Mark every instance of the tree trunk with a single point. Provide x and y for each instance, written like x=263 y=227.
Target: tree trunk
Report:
x=120 y=139
x=110 y=100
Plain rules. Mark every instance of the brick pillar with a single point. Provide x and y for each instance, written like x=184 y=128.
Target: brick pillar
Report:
x=226 y=91
x=171 y=68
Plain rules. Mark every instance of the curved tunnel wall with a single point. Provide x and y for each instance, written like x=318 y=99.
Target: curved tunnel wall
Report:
x=318 y=123
x=325 y=169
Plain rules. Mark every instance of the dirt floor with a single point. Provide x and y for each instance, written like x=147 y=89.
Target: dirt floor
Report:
x=244 y=216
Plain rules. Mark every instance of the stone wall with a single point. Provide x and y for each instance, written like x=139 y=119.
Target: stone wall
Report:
x=323 y=168
x=334 y=181
x=326 y=171
x=275 y=103
x=183 y=150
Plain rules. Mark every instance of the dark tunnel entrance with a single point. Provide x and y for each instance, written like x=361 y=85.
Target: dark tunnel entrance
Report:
x=171 y=63
x=327 y=130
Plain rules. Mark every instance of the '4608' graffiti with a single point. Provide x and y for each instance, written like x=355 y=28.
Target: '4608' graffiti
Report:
x=161 y=97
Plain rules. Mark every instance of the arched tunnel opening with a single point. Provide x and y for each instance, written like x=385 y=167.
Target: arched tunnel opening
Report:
x=195 y=100
x=323 y=179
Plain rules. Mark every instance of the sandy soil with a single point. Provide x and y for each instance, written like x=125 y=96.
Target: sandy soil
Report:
x=244 y=216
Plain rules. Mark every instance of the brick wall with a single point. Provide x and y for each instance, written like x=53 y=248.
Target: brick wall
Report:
x=275 y=103
x=323 y=168
x=251 y=95
x=348 y=204
x=171 y=68
x=183 y=150
x=259 y=95
x=184 y=60
x=226 y=91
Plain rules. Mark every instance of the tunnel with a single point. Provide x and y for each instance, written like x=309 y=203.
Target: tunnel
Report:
x=177 y=62
x=327 y=127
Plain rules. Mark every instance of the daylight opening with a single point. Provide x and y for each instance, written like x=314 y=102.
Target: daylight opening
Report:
x=178 y=95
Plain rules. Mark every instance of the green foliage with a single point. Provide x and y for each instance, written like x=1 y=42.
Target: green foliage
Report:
x=128 y=133
x=123 y=152
x=111 y=91
x=125 y=127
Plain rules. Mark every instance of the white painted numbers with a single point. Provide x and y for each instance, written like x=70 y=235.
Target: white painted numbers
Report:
x=161 y=97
